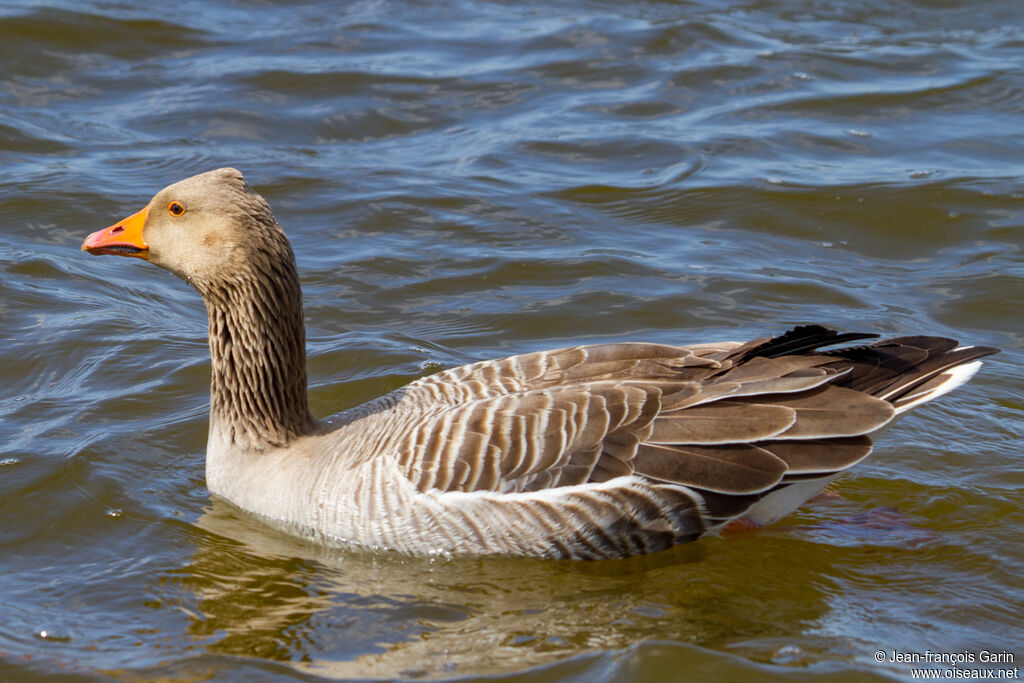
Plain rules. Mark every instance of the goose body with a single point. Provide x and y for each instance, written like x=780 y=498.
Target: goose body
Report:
x=590 y=452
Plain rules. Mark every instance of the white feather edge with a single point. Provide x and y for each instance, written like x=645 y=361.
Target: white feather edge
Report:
x=785 y=501
x=956 y=377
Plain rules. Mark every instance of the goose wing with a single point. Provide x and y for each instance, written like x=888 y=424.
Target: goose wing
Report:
x=729 y=420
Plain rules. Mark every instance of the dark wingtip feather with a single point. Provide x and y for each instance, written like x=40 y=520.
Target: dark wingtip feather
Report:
x=805 y=338
x=891 y=367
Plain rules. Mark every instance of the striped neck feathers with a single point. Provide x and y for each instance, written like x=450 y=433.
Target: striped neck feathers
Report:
x=258 y=351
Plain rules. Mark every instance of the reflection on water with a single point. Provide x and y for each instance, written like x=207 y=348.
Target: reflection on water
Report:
x=466 y=180
x=355 y=613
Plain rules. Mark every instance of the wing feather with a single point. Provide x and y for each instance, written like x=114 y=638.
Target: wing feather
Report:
x=722 y=422
x=735 y=468
x=830 y=412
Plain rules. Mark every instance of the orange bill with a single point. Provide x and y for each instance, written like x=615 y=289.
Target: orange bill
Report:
x=123 y=238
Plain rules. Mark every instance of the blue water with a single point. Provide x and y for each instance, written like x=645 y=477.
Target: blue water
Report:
x=464 y=180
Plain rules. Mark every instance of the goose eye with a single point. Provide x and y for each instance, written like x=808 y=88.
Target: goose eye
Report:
x=175 y=209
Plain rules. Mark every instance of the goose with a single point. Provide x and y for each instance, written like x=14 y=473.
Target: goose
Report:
x=587 y=452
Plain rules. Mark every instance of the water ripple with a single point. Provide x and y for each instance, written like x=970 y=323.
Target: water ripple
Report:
x=462 y=180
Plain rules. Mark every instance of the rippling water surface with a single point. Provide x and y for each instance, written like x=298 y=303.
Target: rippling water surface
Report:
x=464 y=180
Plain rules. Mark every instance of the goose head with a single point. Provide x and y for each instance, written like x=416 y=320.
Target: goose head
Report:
x=216 y=233
x=202 y=229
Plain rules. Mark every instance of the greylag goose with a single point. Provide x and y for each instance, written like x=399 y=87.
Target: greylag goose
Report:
x=596 y=451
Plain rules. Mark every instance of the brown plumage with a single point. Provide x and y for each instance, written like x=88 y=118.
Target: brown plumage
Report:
x=592 y=451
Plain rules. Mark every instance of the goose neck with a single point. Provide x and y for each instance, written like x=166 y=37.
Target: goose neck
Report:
x=257 y=340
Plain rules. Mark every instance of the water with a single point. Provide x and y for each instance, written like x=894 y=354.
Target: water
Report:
x=463 y=180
